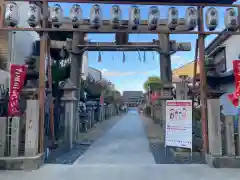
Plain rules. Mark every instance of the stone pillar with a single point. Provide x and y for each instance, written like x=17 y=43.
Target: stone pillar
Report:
x=69 y=99
x=15 y=129
x=75 y=74
x=214 y=127
x=165 y=58
x=31 y=118
x=181 y=91
x=3 y=135
x=32 y=128
x=166 y=94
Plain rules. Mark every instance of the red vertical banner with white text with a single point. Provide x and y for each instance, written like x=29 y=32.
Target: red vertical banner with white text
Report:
x=236 y=70
x=17 y=78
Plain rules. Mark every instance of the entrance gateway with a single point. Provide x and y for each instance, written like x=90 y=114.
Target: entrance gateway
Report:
x=55 y=26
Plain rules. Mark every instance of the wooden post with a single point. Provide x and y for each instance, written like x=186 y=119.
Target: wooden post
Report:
x=229 y=135
x=203 y=84
x=43 y=45
x=214 y=127
x=49 y=69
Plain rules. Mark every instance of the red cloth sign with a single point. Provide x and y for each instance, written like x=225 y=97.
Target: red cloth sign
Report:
x=234 y=96
x=17 y=78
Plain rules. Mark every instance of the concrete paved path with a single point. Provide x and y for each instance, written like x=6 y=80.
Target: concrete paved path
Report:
x=124 y=143
x=122 y=154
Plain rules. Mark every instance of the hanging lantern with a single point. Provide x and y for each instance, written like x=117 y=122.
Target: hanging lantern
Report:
x=34 y=14
x=124 y=57
x=76 y=15
x=11 y=17
x=135 y=17
x=212 y=18
x=191 y=18
x=153 y=17
x=56 y=15
x=96 y=17
x=115 y=16
x=230 y=19
x=172 y=18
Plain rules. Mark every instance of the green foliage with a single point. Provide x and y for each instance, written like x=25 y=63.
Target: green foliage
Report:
x=154 y=82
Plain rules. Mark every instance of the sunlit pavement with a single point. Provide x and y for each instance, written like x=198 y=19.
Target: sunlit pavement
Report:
x=122 y=154
x=125 y=143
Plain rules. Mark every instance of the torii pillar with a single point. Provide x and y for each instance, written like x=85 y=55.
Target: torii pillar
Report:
x=165 y=72
x=75 y=74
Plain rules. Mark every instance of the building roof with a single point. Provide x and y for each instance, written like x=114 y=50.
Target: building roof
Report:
x=132 y=94
x=186 y=69
x=217 y=41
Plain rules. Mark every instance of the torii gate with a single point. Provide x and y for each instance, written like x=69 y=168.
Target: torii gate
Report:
x=162 y=46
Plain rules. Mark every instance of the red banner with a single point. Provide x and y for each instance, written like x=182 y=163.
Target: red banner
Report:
x=154 y=96
x=236 y=70
x=17 y=78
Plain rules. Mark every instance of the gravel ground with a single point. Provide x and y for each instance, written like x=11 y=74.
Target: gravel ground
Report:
x=155 y=134
x=66 y=156
x=163 y=156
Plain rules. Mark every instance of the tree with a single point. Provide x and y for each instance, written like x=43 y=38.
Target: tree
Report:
x=153 y=82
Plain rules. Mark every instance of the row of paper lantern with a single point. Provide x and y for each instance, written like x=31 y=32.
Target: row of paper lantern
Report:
x=56 y=16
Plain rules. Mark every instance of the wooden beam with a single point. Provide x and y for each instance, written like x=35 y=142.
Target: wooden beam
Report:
x=181 y=3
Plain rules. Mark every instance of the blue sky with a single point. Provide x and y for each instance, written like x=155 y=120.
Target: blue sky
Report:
x=132 y=74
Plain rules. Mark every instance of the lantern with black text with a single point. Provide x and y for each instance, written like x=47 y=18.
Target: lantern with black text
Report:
x=135 y=17
x=76 y=15
x=191 y=18
x=11 y=16
x=115 y=16
x=212 y=18
x=56 y=15
x=96 y=17
x=172 y=18
x=153 y=17
x=230 y=19
x=34 y=14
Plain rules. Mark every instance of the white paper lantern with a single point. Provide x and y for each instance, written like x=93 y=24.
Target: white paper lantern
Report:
x=34 y=14
x=191 y=18
x=76 y=15
x=230 y=19
x=95 y=17
x=212 y=18
x=116 y=15
x=172 y=18
x=56 y=15
x=11 y=17
x=153 y=17
x=134 y=17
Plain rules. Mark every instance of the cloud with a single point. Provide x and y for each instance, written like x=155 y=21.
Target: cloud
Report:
x=107 y=73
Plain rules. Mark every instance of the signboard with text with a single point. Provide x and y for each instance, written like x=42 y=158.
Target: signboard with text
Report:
x=178 y=123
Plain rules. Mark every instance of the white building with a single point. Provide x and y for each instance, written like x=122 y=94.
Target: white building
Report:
x=221 y=52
